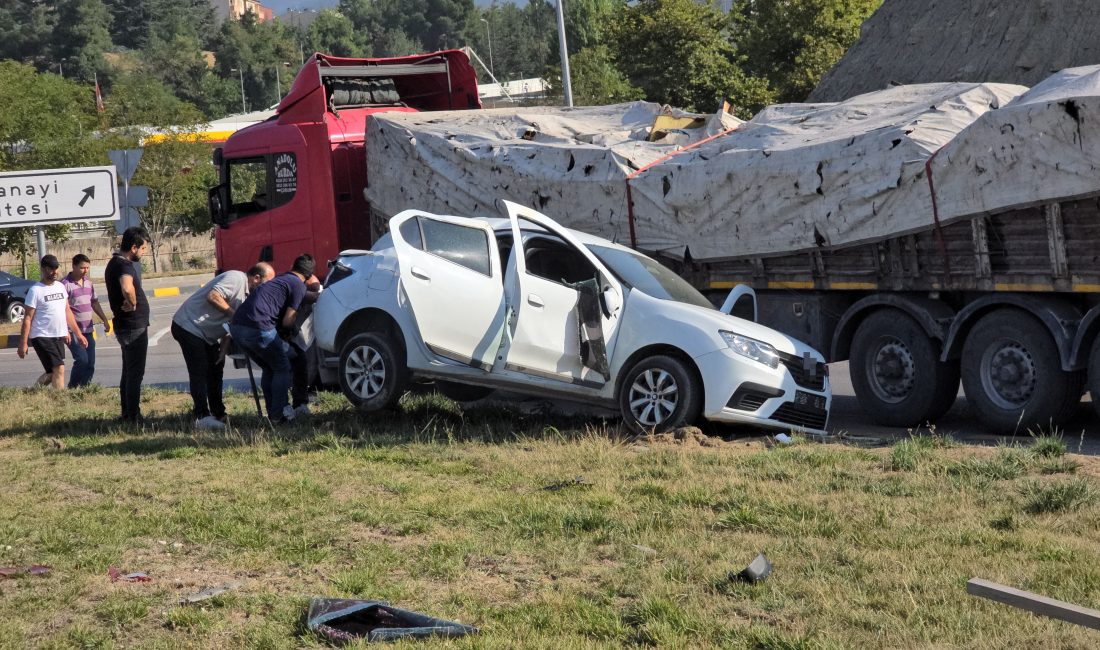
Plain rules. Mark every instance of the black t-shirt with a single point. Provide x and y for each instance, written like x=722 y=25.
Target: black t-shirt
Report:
x=112 y=277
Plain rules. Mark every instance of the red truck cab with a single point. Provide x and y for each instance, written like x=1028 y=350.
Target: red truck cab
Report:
x=294 y=183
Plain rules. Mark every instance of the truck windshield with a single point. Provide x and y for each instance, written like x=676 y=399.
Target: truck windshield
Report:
x=649 y=276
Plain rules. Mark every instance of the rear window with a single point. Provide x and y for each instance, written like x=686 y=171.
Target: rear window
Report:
x=465 y=246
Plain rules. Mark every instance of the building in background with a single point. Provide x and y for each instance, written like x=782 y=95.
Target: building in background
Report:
x=235 y=9
x=299 y=18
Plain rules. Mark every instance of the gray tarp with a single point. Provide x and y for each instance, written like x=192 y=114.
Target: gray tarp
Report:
x=795 y=177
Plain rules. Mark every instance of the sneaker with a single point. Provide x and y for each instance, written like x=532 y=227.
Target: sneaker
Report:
x=209 y=422
x=302 y=410
x=288 y=413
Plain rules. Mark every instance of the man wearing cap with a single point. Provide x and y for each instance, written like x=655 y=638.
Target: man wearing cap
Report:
x=84 y=302
x=199 y=327
x=47 y=324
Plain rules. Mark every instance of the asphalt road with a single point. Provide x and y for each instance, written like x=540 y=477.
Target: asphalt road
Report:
x=165 y=368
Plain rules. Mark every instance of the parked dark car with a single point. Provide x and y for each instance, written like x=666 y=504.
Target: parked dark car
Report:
x=13 y=293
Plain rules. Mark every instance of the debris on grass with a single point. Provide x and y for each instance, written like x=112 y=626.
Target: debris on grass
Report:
x=16 y=571
x=116 y=575
x=757 y=571
x=344 y=621
x=783 y=439
x=560 y=485
x=208 y=593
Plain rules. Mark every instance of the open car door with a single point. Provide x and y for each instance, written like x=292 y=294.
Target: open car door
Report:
x=561 y=330
x=450 y=272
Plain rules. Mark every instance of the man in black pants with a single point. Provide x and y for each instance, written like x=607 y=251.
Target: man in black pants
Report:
x=131 y=317
x=199 y=327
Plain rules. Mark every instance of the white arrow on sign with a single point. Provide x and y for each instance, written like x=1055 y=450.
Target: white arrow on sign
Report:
x=45 y=196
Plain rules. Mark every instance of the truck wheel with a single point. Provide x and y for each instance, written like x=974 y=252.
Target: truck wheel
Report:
x=660 y=393
x=897 y=373
x=373 y=373
x=1013 y=376
x=1094 y=374
x=462 y=392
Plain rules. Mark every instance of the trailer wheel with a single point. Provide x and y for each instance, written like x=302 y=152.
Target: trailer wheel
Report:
x=1012 y=374
x=373 y=374
x=1094 y=375
x=897 y=373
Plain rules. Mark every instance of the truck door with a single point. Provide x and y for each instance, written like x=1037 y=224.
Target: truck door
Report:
x=451 y=274
x=561 y=330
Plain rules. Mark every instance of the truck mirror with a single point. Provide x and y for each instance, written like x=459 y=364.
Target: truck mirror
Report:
x=218 y=158
x=216 y=201
x=736 y=294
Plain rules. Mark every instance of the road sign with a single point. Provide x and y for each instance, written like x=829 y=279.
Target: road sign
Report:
x=45 y=196
x=126 y=162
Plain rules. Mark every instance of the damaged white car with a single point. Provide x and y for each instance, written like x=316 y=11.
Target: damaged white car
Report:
x=528 y=306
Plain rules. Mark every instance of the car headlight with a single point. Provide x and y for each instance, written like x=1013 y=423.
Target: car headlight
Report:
x=756 y=350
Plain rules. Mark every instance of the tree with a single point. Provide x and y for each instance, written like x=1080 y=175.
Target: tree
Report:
x=25 y=28
x=256 y=48
x=597 y=80
x=792 y=43
x=678 y=52
x=333 y=33
x=82 y=36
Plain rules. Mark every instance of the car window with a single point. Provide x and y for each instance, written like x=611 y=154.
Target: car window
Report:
x=462 y=245
x=247 y=186
x=410 y=232
x=649 y=275
x=554 y=260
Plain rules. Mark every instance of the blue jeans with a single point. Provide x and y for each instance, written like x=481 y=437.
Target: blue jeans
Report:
x=83 y=362
x=272 y=354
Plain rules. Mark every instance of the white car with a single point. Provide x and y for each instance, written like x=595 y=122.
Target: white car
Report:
x=564 y=315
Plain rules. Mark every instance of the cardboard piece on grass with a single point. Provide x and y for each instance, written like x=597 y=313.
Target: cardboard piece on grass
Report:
x=757 y=570
x=344 y=620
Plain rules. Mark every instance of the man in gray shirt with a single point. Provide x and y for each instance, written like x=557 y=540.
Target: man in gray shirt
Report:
x=199 y=327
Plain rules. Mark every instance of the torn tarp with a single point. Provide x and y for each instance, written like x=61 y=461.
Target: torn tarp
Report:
x=345 y=620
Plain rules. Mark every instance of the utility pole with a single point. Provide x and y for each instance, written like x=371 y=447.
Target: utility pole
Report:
x=489 y=35
x=279 y=82
x=241 y=71
x=567 y=84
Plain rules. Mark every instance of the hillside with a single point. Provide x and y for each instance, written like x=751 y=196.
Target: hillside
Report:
x=1009 y=41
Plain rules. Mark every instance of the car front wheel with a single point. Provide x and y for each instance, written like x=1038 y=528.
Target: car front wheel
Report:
x=15 y=311
x=660 y=393
x=373 y=373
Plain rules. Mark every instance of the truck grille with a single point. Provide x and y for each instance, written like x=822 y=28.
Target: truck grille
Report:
x=801 y=416
x=801 y=375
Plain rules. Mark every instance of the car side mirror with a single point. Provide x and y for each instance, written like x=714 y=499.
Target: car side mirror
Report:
x=611 y=300
x=736 y=294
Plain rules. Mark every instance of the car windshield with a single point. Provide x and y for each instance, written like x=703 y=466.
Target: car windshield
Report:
x=649 y=276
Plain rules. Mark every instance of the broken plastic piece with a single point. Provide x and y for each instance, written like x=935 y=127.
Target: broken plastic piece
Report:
x=783 y=439
x=756 y=571
x=137 y=576
x=32 y=570
x=344 y=620
x=208 y=593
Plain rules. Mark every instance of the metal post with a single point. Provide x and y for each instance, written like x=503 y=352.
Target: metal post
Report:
x=40 y=240
x=489 y=35
x=567 y=84
x=278 y=85
x=240 y=71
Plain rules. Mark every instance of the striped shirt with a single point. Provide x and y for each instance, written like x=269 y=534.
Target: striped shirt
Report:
x=80 y=300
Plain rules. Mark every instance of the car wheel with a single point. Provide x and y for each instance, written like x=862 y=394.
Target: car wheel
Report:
x=15 y=311
x=462 y=392
x=660 y=393
x=896 y=371
x=373 y=373
x=1013 y=377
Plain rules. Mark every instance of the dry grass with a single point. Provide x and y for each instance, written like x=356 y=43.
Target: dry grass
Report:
x=445 y=511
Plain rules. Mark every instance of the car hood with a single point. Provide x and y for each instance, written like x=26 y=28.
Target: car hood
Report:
x=702 y=317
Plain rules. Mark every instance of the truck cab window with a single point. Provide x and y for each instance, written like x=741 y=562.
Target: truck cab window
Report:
x=248 y=186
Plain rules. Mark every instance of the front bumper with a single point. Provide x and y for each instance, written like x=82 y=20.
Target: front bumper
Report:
x=740 y=390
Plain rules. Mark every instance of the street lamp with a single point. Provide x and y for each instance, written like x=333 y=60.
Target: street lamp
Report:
x=489 y=35
x=567 y=84
x=241 y=72
x=279 y=82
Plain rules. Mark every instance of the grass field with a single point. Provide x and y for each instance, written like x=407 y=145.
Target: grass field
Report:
x=448 y=513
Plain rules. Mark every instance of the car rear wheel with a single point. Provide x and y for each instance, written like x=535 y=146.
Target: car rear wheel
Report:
x=660 y=393
x=373 y=373
x=15 y=311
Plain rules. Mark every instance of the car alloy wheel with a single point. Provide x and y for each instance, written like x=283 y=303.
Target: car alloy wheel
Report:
x=660 y=393
x=365 y=372
x=653 y=397
x=372 y=371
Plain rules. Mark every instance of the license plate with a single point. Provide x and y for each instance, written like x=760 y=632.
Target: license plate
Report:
x=809 y=399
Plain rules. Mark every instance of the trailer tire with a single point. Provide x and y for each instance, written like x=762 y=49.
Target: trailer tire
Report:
x=896 y=371
x=1013 y=377
x=1094 y=374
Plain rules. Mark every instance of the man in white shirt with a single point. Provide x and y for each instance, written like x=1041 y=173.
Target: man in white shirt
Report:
x=47 y=324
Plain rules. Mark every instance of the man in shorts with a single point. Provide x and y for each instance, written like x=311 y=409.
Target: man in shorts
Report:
x=47 y=324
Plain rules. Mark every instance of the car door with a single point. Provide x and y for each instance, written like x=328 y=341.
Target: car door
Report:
x=450 y=272
x=549 y=336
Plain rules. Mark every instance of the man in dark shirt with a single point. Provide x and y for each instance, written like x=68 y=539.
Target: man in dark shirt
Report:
x=131 y=317
x=256 y=326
